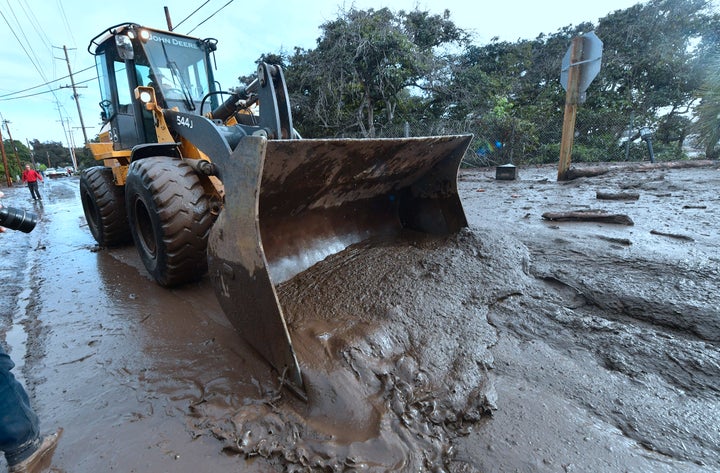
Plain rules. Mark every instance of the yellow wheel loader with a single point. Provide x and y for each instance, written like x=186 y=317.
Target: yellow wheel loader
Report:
x=230 y=189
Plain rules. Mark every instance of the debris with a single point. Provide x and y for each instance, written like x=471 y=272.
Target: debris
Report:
x=506 y=172
x=574 y=173
x=673 y=235
x=619 y=241
x=589 y=216
x=617 y=195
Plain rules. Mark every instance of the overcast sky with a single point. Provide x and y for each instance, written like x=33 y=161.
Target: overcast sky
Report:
x=33 y=33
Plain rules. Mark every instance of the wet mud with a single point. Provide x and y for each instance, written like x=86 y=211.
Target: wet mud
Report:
x=393 y=375
x=519 y=344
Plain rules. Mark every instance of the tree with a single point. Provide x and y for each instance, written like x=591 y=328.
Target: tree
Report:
x=708 y=122
x=651 y=64
x=17 y=154
x=707 y=125
x=652 y=68
x=364 y=64
x=374 y=70
x=50 y=154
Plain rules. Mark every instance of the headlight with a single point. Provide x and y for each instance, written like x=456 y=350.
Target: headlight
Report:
x=145 y=96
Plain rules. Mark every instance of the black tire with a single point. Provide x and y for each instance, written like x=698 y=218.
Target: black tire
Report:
x=170 y=218
x=104 y=206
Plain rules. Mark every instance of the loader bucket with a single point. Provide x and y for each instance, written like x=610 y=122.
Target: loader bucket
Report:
x=291 y=203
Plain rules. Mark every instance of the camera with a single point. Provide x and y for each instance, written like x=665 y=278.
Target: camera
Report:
x=17 y=219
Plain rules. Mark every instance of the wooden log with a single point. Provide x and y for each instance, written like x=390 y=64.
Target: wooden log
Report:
x=574 y=173
x=619 y=241
x=677 y=236
x=617 y=196
x=589 y=216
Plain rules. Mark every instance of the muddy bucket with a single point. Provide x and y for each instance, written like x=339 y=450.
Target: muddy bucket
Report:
x=291 y=203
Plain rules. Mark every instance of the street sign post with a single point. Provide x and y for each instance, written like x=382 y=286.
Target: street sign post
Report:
x=580 y=66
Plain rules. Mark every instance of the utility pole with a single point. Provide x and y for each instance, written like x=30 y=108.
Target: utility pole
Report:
x=71 y=145
x=5 y=163
x=75 y=94
x=17 y=157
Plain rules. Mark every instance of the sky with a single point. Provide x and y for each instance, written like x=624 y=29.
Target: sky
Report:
x=33 y=34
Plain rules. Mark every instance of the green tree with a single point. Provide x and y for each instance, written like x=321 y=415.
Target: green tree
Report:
x=17 y=154
x=652 y=68
x=85 y=158
x=365 y=62
x=652 y=65
x=707 y=125
x=50 y=154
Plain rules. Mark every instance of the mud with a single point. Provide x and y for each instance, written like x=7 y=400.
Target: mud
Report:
x=520 y=344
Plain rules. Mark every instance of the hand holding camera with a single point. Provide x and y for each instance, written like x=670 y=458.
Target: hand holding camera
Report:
x=16 y=219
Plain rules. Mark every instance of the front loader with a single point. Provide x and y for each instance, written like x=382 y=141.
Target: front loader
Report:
x=230 y=188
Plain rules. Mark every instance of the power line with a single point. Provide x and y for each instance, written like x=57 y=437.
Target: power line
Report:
x=191 y=14
x=206 y=19
x=46 y=91
x=46 y=83
x=65 y=20
x=20 y=42
x=36 y=25
x=36 y=60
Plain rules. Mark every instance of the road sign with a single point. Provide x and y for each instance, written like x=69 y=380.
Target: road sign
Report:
x=589 y=62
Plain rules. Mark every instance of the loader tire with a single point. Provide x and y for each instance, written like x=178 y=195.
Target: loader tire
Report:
x=170 y=219
x=104 y=207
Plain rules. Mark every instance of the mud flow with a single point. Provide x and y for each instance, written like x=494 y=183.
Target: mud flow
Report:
x=518 y=344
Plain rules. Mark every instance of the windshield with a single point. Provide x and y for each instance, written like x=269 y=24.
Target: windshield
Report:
x=179 y=66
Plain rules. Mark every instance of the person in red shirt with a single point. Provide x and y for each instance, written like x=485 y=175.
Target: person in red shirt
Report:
x=31 y=176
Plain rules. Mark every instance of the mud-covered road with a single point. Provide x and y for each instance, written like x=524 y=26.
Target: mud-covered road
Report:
x=520 y=345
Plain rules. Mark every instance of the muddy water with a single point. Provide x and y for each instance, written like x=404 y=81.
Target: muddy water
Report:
x=517 y=345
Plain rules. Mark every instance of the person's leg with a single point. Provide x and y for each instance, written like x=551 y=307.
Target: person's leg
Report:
x=19 y=425
x=34 y=190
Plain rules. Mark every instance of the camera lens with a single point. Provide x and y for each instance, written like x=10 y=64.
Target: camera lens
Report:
x=17 y=219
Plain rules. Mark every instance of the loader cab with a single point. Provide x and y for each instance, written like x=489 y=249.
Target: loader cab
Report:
x=176 y=66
